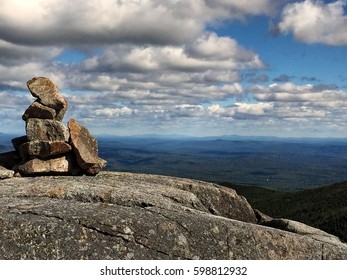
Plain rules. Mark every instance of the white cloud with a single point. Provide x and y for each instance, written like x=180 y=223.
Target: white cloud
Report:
x=211 y=46
x=308 y=103
x=108 y=21
x=113 y=112
x=216 y=109
x=256 y=109
x=289 y=92
x=316 y=22
x=95 y=21
x=208 y=52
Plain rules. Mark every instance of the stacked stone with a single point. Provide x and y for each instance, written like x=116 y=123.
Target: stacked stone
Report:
x=47 y=147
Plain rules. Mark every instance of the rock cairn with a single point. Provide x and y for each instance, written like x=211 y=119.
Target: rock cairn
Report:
x=49 y=147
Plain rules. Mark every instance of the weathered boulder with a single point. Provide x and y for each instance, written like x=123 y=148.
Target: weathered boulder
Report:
x=85 y=147
x=5 y=173
x=60 y=165
x=43 y=149
x=38 y=111
x=46 y=130
x=135 y=216
x=47 y=92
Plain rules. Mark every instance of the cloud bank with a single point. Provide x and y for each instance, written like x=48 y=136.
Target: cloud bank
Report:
x=150 y=66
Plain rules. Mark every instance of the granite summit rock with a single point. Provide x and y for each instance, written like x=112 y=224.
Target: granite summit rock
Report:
x=136 y=216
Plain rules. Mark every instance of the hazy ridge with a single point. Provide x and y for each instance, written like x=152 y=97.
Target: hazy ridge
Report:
x=279 y=163
x=285 y=164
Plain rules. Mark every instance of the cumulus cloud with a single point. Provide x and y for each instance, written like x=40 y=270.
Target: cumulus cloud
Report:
x=12 y=54
x=316 y=22
x=295 y=108
x=322 y=103
x=163 y=75
x=114 y=112
x=290 y=92
x=208 y=52
x=253 y=110
x=108 y=21
x=150 y=52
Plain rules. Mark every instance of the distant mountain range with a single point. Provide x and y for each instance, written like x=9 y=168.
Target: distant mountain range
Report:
x=285 y=164
x=225 y=137
x=279 y=163
x=231 y=137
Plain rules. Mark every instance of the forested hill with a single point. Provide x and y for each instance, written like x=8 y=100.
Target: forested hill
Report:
x=283 y=164
x=324 y=208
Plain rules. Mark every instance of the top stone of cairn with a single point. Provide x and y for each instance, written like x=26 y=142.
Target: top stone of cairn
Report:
x=47 y=92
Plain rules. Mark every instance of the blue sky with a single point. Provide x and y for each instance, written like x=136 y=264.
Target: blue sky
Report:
x=287 y=57
x=193 y=67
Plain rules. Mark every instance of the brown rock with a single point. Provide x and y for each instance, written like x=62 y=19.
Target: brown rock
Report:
x=85 y=147
x=61 y=165
x=39 y=111
x=43 y=149
x=61 y=112
x=46 y=130
x=47 y=92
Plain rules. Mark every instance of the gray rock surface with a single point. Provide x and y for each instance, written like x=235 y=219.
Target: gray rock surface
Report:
x=46 y=130
x=5 y=173
x=85 y=147
x=134 y=216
